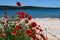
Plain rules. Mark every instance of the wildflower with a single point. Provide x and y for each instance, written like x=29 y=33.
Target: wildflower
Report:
x=22 y=16
x=18 y=27
x=5 y=13
x=33 y=24
x=18 y=3
x=42 y=36
x=13 y=32
x=34 y=31
x=26 y=15
x=30 y=34
x=5 y=16
x=30 y=26
x=39 y=29
x=28 y=31
x=3 y=23
x=29 y=17
x=3 y=35
x=26 y=21
x=20 y=13
x=36 y=39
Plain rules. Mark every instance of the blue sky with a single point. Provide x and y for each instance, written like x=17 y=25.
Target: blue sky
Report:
x=42 y=3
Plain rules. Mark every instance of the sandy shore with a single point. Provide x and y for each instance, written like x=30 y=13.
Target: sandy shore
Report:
x=52 y=25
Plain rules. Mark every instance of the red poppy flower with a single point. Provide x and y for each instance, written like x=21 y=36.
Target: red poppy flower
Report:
x=28 y=31
x=33 y=24
x=26 y=21
x=22 y=16
x=29 y=17
x=34 y=31
x=18 y=3
x=5 y=13
x=13 y=32
x=26 y=15
x=42 y=36
x=36 y=39
x=30 y=26
x=5 y=16
x=3 y=35
x=18 y=27
x=20 y=13
x=33 y=36
x=30 y=34
x=39 y=29
x=2 y=22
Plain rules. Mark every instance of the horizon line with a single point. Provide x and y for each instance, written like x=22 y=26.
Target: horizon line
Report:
x=33 y=6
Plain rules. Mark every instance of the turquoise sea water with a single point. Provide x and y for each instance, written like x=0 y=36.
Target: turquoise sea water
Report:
x=39 y=13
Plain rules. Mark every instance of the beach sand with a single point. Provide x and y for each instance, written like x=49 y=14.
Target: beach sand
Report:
x=52 y=25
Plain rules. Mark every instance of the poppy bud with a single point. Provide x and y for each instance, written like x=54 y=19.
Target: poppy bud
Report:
x=13 y=33
x=18 y=3
x=26 y=21
x=18 y=27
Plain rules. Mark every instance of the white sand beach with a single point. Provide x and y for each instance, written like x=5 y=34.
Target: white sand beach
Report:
x=52 y=25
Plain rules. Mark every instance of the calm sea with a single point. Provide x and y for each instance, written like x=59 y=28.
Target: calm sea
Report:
x=39 y=13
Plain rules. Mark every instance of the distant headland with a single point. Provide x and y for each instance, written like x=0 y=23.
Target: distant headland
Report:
x=24 y=7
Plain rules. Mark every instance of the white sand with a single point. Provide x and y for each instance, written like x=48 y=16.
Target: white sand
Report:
x=52 y=25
